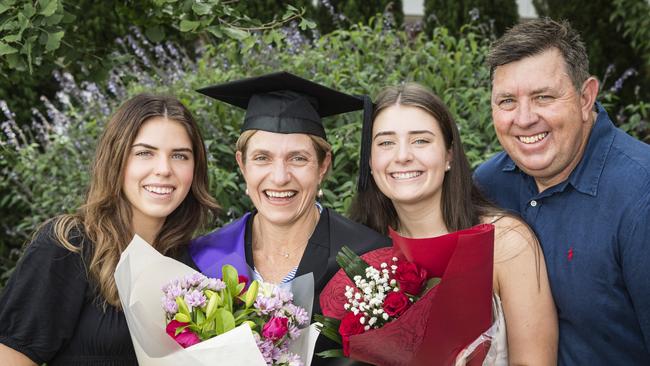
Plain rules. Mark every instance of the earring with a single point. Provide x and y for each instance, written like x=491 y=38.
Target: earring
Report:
x=448 y=167
x=320 y=193
x=246 y=191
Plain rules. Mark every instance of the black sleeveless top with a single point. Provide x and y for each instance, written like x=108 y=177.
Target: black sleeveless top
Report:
x=50 y=312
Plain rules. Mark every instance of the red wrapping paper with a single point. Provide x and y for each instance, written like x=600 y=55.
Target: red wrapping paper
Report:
x=449 y=317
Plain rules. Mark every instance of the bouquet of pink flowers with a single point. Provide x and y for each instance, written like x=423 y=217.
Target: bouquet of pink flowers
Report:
x=206 y=320
x=198 y=308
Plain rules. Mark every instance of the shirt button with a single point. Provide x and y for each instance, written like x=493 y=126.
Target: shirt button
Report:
x=533 y=203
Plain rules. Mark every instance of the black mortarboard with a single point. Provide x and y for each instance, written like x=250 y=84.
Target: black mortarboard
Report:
x=285 y=103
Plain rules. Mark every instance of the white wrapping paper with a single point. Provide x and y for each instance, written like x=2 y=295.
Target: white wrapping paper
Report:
x=140 y=276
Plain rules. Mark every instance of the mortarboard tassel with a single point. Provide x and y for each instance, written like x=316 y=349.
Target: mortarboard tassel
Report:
x=366 y=139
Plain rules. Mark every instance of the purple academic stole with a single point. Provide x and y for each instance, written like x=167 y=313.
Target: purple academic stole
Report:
x=224 y=246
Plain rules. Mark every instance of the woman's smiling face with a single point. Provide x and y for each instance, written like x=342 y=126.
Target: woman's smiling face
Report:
x=282 y=175
x=408 y=157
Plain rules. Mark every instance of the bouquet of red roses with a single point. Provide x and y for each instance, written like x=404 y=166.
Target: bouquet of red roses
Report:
x=389 y=308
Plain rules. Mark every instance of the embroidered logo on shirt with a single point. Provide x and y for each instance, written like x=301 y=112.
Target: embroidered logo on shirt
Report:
x=569 y=254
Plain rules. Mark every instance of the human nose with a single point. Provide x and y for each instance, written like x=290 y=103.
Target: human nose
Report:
x=526 y=114
x=404 y=153
x=280 y=173
x=163 y=166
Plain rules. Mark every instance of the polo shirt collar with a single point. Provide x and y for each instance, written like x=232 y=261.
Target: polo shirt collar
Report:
x=586 y=175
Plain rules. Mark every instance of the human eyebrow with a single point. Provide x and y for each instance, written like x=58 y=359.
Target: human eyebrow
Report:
x=420 y=132
x=384 y=133
x=151 y=147
x=541 y=90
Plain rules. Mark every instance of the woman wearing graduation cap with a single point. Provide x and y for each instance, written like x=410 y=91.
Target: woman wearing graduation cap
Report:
x=284 y=157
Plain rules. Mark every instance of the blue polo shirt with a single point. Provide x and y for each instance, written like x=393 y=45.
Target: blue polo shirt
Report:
x=594 y=229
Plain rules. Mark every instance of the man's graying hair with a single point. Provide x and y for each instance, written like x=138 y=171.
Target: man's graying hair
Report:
x=536 y=36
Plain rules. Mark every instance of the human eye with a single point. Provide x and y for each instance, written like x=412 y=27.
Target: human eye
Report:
x=180 y=156
x=421 y=141
x=385 y=143
x=299 y=158
x=506 y=103
x=544 y=98
x=143 y=153
x=260 y=157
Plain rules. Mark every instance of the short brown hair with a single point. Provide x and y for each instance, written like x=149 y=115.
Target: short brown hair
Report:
x=321 y=146
x=536 y=36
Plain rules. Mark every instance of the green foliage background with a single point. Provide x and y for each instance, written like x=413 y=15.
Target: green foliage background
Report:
x=453 y=14
x=44 y=161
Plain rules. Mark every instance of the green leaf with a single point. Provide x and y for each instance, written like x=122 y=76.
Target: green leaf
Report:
x=189 y=25
x=230 y=276
x=6 y=49
x=215 y=31
x=48 y=7
x=305 y=23
x=224 y=321
x=251 y=294
x=4 y=7
x=238 y=34
x=54 y=40
x=53 y=19
x=201 y=8
x=182 y=306
x=12 y=38
x=183 y=318
x=28 y=10
x=351 y=263
x=331 y=353
x=155 y=33
x=211 y=309
x=200 y=317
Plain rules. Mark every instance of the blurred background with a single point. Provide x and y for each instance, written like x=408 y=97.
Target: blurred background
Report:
x=66 y=65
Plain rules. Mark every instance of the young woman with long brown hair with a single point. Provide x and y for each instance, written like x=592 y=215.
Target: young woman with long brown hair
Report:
x=149 y=177
x=415 y=179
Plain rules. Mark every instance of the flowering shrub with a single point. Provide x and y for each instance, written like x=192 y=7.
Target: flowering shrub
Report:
x=44 y=168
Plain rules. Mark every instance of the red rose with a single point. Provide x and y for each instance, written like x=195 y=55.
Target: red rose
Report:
x=275 y=328
x=185 y=338
x=396 y=303
x=410 y=277
x=350 y=325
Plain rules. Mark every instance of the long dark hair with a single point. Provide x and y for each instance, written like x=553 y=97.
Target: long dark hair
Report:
x=462 y=203
x=105 y=217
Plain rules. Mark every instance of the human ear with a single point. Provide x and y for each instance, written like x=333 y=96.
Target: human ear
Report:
x=588 y=97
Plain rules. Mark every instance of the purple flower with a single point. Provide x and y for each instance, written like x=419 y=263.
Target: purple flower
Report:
x=213 y=284
x=294 y=332
x=298 y=313
x=283 y=294
x=267 y=305
x=195 y=299
x=169 y=306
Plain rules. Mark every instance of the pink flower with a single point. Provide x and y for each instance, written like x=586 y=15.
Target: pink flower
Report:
x=185 y=338
x=275 y=328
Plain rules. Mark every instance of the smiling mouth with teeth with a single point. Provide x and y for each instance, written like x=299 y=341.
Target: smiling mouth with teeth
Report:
x=405 y=175
x=159 y=190
x=532 y=139
x=280 y=194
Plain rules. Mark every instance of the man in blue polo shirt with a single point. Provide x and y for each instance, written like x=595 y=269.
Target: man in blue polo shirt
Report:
x=581 y=183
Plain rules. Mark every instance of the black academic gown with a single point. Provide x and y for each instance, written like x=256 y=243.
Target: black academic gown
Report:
x=332 y=232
